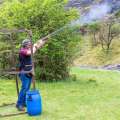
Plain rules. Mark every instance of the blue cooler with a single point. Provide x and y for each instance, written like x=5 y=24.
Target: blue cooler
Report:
x=34 y=103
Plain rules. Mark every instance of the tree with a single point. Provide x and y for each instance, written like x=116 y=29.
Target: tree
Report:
x=94 y=29
x=108 y=32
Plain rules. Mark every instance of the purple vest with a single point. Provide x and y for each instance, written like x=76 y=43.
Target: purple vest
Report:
x=25 y=62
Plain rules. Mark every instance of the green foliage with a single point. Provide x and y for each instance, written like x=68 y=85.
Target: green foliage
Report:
x=116 y=29
x=94 y=27
x=117 y=14
x=44 y=17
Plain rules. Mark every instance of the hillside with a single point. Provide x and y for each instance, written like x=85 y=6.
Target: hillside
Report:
x=96 y=56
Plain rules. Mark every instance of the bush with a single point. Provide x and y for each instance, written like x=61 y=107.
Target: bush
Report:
x=44 y=17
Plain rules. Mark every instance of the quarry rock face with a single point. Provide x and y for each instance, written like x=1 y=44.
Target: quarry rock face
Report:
x=79 y=3
x=115 y=4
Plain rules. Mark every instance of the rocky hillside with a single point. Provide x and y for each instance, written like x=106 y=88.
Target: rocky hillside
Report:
x=80 y=4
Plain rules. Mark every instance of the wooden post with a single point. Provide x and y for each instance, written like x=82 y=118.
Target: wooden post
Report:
x=17 y=85
x=13 y=62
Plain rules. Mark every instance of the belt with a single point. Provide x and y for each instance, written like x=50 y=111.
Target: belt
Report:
x=27 y=65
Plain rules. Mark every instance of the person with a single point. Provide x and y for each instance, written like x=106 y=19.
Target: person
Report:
x=25 y=61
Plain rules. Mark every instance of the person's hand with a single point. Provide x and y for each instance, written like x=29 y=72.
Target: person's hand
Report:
x=45 y=38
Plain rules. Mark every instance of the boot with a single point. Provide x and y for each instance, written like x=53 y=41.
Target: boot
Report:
x=20 y=108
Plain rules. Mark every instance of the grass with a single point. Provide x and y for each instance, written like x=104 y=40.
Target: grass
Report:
x=90 y=95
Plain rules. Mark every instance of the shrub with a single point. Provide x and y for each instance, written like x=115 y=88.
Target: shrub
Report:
x=44 y=17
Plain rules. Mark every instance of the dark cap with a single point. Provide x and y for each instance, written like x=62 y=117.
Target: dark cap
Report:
x=25 y=42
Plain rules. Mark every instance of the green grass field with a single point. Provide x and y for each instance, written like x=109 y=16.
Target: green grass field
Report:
x=91 y=95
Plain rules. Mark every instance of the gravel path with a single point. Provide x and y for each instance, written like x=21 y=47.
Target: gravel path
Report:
x=106 y=67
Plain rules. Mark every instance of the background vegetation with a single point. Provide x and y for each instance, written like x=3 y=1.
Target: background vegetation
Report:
x=100 y=43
